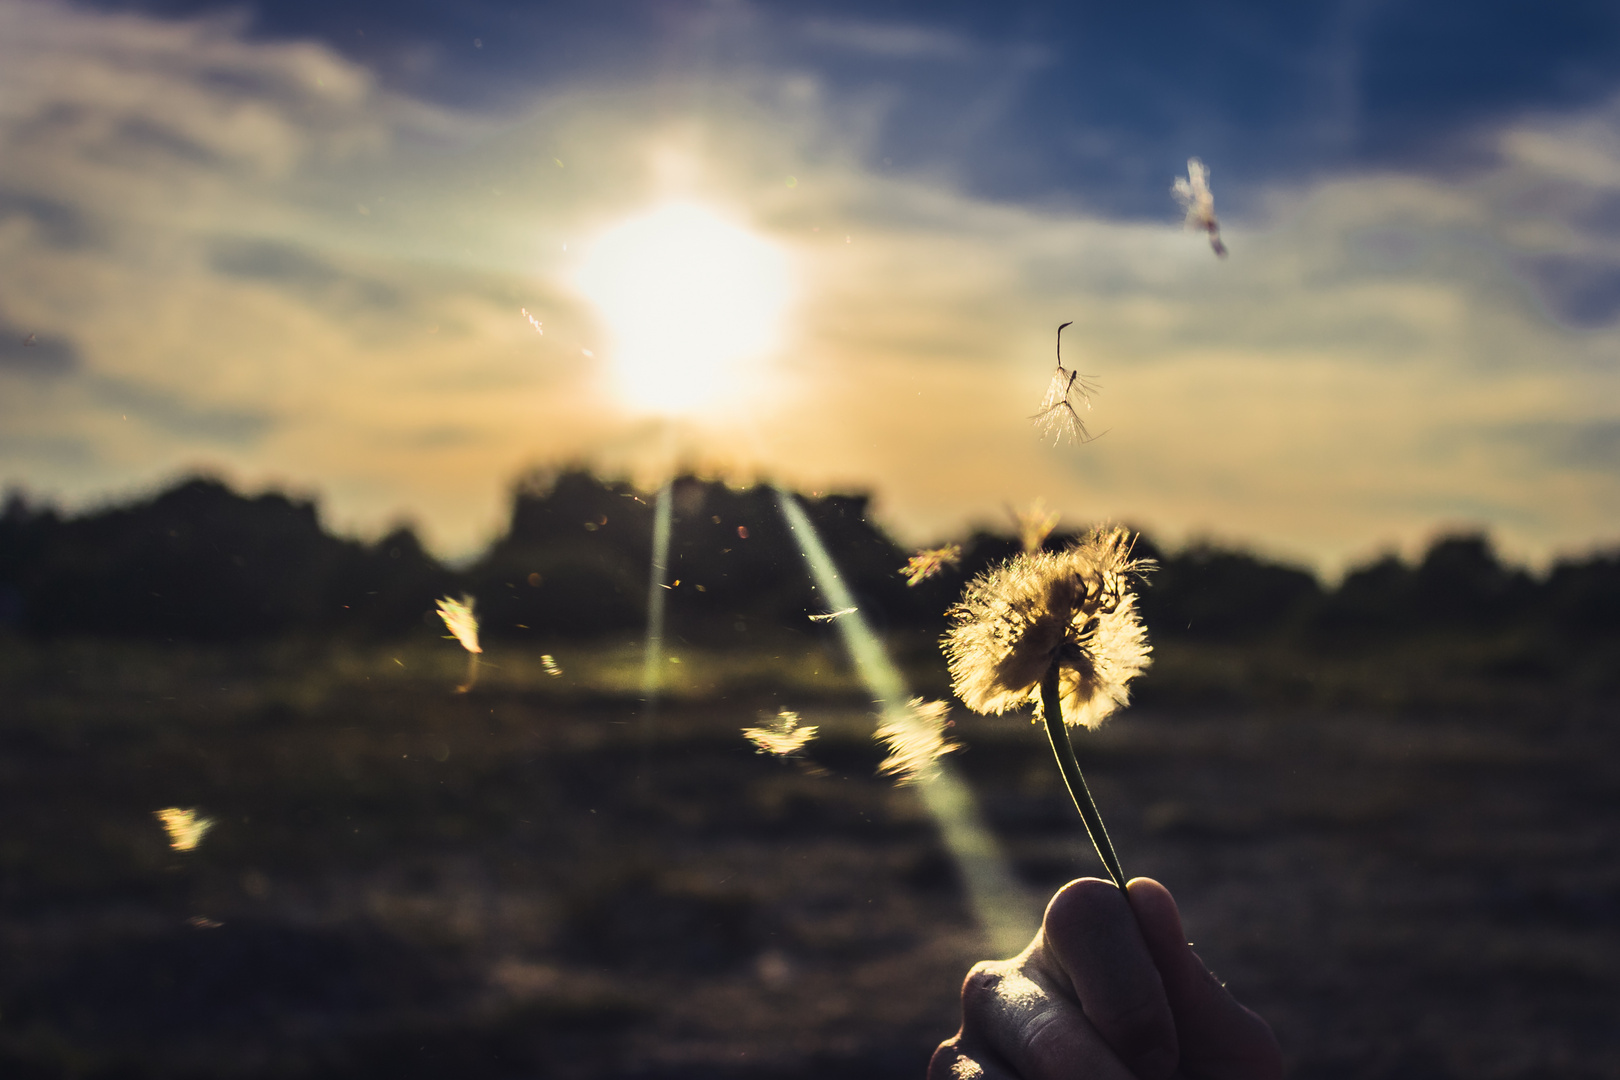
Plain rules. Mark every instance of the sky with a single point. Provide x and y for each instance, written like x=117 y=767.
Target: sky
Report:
x=394 y=255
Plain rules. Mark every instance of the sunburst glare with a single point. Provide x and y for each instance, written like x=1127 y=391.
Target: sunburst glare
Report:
x=690 y=298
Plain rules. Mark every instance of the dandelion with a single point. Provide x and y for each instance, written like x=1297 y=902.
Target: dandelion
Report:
x=915 y=738
x=831 y=615
x=1057 y=416
x=783 y=735
x=1034 y=525
x=1195 y=197
x=930 y=561
x=463 y=626
x=1061 y=630
x=185 y=828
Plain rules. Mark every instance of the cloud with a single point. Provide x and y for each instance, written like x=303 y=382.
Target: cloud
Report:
x=23 y=352
x=300 y=271
x=1579 y=290
x=892 y=41
x=274 y=264
x=1586 y=445
x=174 y=415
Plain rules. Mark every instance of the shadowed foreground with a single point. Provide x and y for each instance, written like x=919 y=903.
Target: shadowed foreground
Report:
x=405 y=882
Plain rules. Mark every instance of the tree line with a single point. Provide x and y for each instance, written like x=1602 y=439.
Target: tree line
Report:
x=201 y=562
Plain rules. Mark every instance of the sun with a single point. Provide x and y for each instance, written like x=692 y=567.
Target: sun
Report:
x=693 y=300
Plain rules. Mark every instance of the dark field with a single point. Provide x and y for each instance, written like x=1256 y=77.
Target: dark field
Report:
x=405 y=882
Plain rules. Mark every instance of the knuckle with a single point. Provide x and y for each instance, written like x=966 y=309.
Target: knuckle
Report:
x=942 y=1066
x=983 y=984
x=1078 y=904
x=1144 y=1034
x=1045 y=1032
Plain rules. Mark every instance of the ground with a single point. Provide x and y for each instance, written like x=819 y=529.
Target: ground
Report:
x=541 y=879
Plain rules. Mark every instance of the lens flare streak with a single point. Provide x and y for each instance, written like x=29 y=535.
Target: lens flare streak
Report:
x=652 y=668
x=1003 y=908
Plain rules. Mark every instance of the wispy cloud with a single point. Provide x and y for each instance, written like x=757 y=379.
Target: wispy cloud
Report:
x=894 y=41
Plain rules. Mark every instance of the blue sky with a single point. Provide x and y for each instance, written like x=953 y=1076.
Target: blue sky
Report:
x=1083 y=105
x=291 y=242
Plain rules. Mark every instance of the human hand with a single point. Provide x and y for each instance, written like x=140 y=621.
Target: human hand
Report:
x=1108 y=990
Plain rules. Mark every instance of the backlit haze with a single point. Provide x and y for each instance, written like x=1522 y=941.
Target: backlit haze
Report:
x=827 y=244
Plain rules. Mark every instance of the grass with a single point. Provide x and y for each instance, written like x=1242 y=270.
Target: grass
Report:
x=411 y=882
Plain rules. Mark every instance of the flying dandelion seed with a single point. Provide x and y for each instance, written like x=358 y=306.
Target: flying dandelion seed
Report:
x=915 y=738
x=185 y=828
x=1034 y=525
x=460 y=621
x=532 y=321
x=1058 y=417
x=1061 y=630
x=930 y=561
x=783 y=735
x=463 y=626
x=1192 y=191
x=549 y=662
x=831 y=615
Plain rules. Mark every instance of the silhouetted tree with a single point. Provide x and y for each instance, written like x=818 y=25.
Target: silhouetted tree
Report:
x=1211 y=594
x=1582 y=596
x=201 y=562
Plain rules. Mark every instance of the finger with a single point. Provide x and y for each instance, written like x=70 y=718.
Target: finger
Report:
x=1013 y=1013
x=1091 y=932
x=1220 y=1038
x=951 y=1062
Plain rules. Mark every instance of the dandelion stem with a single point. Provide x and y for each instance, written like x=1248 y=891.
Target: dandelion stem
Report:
x=1052 y=710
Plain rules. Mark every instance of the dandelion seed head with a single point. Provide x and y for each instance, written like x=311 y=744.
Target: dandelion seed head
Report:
x=185 y=827
x=915 y=739
x=930 y=561
x=460 y=621
x=782 y=735
x=1076 y=608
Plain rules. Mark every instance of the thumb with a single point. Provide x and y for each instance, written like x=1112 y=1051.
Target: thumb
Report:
x=1220 y=1038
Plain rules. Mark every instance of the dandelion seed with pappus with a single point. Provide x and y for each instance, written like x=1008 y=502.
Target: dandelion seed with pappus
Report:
x=1192 y=191
x=930 y=561
x=463 y=626
x=915 y=738
x=1057 y=416
x=1034 y=525
x=1060 y=630
x=186 y=828
x=782 y=735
